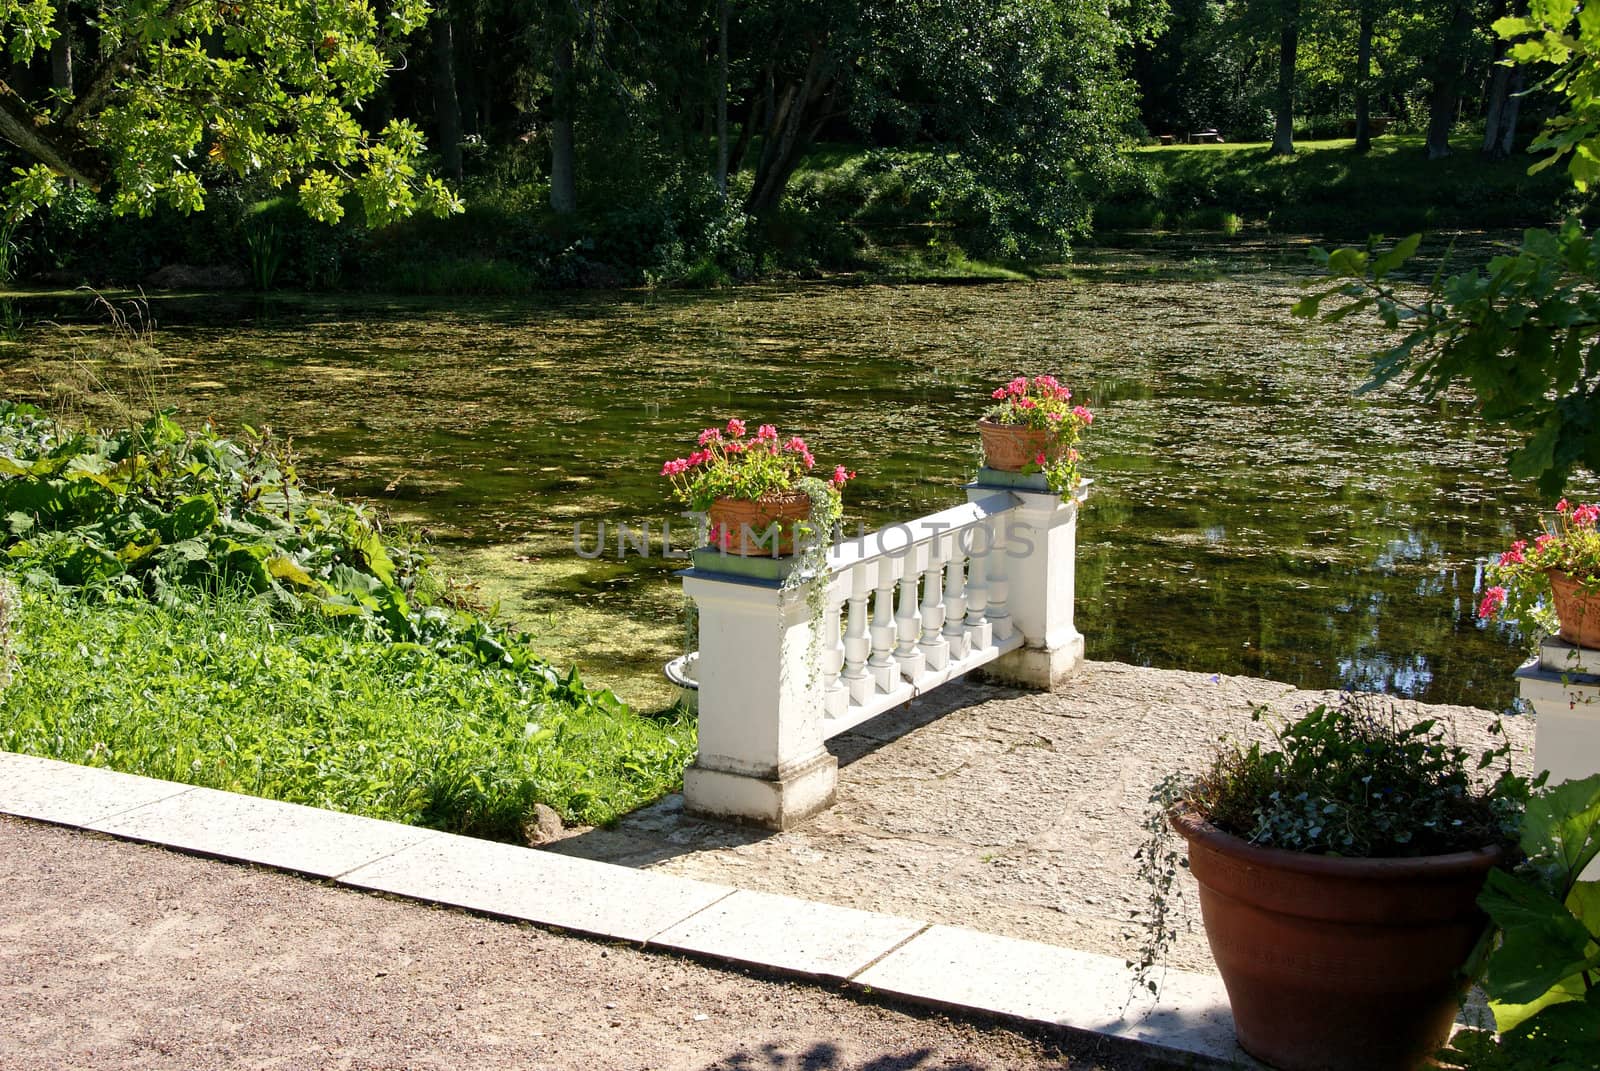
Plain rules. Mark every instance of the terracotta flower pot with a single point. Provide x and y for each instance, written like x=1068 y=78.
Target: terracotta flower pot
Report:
x=1578 y=611
x=740 y=525
x=1336 y=964
x=1011 y=448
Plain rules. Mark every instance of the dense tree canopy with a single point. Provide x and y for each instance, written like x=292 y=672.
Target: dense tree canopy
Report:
x=142 y=98
x=678 y=132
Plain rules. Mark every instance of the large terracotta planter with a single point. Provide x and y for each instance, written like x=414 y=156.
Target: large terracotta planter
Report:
x=1578 y=611
x=1010 y=448
x=740 y=525
x=1336 y=964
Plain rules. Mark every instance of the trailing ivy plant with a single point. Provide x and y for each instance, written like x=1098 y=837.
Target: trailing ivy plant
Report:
x=813 y=541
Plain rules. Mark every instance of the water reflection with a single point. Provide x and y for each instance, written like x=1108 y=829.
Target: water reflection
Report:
x=1249 y=516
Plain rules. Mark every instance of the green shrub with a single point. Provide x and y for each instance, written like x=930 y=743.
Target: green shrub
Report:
x=156 y=511
x=190 y=612
x=1359 y=779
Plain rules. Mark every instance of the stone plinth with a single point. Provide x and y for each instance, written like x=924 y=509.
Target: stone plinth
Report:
x=1563 y=687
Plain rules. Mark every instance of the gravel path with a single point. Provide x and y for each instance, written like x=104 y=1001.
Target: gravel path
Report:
x=1013 y=812
x=118 y=955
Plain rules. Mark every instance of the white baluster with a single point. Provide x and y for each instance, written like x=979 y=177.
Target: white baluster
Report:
x=835 y=694
x=908 y=654
x=856 y=644
x=934 y=647
x=881 y=663
x=955 y=601
x=979 y=631
x=999 y=585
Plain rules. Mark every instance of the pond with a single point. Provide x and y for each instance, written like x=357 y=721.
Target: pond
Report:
x=1249 y=513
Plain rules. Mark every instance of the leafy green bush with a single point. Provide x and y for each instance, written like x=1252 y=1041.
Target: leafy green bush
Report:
x=1542 y=970
x=1327 y=188
x=225 y=694
x=155 y=511
x=1358 y=779
x=190 y=612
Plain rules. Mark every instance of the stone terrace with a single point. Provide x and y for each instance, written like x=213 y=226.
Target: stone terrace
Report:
x=1016 y=813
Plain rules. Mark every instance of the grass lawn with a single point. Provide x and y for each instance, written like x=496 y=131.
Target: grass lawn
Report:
x=219 y=693
x=1327 y=188
x=184 y=609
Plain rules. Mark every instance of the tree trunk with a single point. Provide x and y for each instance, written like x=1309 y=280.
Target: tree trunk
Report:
x=61 y=52
x=747 y=130
x=1508 y=116
x=790 y=127
x=1366 y=16
x=446 y=102
x=1446 y=81
x=1505 y=82
x=1288 y=52
x=563 y=176
x=1499 y=86
x=467 y=87
x=722 y=98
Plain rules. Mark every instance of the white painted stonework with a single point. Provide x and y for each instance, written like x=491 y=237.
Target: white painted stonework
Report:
x=1563 y=687
x=986 y=585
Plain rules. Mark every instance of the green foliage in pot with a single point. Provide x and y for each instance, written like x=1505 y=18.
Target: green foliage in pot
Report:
x=1357 y=779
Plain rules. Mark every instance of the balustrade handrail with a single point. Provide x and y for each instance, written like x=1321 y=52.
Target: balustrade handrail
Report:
x=885 y=617
x=922 y=531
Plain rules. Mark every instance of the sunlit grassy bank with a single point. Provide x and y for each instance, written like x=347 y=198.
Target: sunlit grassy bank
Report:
x=1326 y=188
x=184 y=609
x=221 y=694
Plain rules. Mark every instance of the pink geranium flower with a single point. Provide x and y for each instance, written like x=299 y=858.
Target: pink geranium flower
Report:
x=730 y=465
x=1042 y=404
x=1518 y=580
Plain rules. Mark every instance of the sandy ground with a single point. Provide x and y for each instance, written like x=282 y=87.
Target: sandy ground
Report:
x=1013 y=812
x=118 y=955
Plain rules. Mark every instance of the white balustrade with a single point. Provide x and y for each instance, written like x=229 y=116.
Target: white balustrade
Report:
x=985 y=585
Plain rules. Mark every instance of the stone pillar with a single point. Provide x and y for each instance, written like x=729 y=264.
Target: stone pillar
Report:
x=1041 y=553
x=761 y=755
x=1563 y=687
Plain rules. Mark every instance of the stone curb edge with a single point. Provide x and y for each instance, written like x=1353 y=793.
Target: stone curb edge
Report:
x=941 y=966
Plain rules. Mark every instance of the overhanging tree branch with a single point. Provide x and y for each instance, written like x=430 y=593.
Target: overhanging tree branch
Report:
x=57 y=147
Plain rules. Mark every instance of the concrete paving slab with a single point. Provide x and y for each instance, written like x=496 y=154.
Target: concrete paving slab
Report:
x=1048 y=984
x=285 y=835
x=790 y=934
x=553 y=890
x=73 y=795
